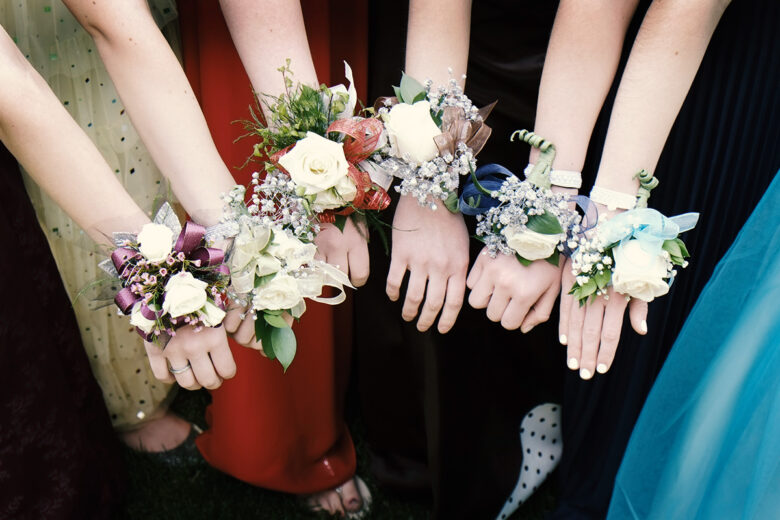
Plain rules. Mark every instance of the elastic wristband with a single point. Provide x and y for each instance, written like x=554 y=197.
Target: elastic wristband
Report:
x=612 y=199
x=561 y=178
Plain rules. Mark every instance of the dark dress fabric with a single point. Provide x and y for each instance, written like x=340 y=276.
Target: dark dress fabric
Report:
x=443 y=412
x=719 y=159
x=59 y=457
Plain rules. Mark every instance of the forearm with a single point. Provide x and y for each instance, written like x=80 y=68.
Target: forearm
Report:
x=57 y=153
x=663 y=62
x=266 y=34
x=579 y=68
x=438 y=40
x=159 y=101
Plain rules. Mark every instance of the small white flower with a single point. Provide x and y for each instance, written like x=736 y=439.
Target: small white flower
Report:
x=155 y=242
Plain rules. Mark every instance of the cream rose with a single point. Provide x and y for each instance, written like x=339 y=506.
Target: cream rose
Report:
x=639 y=274
x=315 y=164
x=530 y=244
x=184 y=294
x=330 y=200
x=292 y=251
x=211 y=315
x=139 y=320
x=281 y=292
x=156 y=242
x=411 y=130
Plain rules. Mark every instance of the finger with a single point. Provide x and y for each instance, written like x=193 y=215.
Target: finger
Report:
x=637 y=312
x=541 y=310
x=610 y=332
x=514 y=314
x=203 y=370
x=434 y=299
x=158 y=363
x=334 y=504
x=574 y=348
x=246 y=331
x=395 y=276
x=480 y=294
x=232 y=319
x=186 y=379
x=456 y=288
x=476 y=271
x=414 y=295
x=566 y=306
x=223 y=361
x=591 y=337
x=339 y=261
x=358 y=264
x=497 y=305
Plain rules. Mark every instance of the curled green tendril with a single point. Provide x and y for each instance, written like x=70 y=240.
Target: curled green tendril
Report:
x=646 y=184
x=540 y=174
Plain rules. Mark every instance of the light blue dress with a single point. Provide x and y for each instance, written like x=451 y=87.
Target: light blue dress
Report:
x=707 y=444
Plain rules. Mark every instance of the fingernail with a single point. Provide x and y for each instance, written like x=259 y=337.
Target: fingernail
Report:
x=525 y=329
x=643 y=326
x=573 y=363
x=585 y=373
x=563 y=339
x=602 y=368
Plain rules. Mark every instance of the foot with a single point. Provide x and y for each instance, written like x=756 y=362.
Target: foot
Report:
x=345 y=500
x=162 y=434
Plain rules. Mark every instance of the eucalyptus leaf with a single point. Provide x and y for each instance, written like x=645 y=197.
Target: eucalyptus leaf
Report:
x=340 y=222
x=284 y=343
x=274 y=320
x=546 y=224
x=410 y=88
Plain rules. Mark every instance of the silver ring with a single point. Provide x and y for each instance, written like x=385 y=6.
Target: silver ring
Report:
x=179 y=370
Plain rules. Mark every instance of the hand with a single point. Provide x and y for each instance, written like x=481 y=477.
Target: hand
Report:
x=206 y=353
x=592 y=331
x=434 y=247
x=239 y=323
x=515 y=295
x=347 y=250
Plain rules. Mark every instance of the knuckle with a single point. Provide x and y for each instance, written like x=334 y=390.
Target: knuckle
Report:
x=610 y=336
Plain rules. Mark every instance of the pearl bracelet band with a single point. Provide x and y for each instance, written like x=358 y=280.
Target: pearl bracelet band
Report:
x=562 y=178
x=612 y=199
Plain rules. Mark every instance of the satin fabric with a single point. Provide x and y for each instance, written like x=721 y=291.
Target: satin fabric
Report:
x=707 y=445
x=279 y=431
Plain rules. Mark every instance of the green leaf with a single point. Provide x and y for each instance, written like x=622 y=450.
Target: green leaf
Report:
x=340 y=222
x=451 y=202
x=274 y=320
x=546 y=224
x=554 y=258
x=672 y=247
x=522 y=260
x=419 y=97
x=262 y=280
x=683 y=249
x=398 y=94
x=603 y=278
x=284 y=343
x=263 y=333
x=589 y=288
x=410 y=88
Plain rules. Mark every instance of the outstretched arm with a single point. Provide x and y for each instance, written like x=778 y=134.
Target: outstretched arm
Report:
x=432 y=245
x=663 y=62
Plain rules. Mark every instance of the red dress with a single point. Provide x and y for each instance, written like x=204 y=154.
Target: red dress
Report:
x=278 y=431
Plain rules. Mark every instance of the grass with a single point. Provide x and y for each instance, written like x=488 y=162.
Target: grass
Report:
x=158 y=491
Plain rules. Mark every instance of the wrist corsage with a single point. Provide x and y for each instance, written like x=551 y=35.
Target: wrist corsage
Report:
x=273 y=270
x=170 y=277
x=636 y=252
x=318 y=167
x=524 y=218
x=434 y=136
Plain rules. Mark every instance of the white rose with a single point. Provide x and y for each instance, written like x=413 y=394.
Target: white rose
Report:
x=530 y=244
x=211 y=315
x=316 y=164
x=411 y=130
x=139 y=320
x=184 y=294
x=329 y=200
x=639 y=274
x=156 y=242
x=281 y=292
x=294 y=252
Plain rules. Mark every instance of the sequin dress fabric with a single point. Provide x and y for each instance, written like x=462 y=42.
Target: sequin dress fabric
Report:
x=66 y=56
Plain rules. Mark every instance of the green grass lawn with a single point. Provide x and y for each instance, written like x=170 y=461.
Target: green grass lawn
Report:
x=157 y=491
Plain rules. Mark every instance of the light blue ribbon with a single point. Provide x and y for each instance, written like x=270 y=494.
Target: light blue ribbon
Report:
x=650 y=227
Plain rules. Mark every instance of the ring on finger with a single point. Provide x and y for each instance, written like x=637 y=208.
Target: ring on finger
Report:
x=181 y=370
